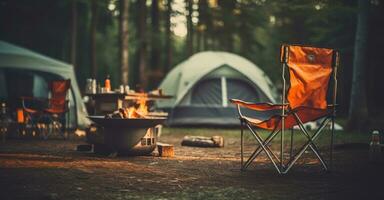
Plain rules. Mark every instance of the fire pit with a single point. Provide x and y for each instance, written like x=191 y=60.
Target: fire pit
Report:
x=128 y=136
x=132 y=129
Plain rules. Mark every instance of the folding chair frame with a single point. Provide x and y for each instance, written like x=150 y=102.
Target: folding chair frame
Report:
x=278 y=163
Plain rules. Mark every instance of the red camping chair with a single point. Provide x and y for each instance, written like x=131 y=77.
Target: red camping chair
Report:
x=57 y=108
x=311 y=70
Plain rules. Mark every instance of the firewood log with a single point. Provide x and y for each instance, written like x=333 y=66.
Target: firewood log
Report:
x=201 y=141
x=114 y=115
x=123 y=112
x=165 y=150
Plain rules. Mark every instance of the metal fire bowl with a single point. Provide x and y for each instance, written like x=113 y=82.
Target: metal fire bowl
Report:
x=124 y=134
x=127 y=123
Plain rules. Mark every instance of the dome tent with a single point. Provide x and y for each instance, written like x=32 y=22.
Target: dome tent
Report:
x=23 y=71
x=202 y=85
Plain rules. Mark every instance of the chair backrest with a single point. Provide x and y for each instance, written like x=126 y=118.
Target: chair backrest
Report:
x=310 y=70
x=58 y=105
x=59 y=90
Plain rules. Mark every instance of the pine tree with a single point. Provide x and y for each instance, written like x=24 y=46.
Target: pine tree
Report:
x=124 y=50
x=358 y=112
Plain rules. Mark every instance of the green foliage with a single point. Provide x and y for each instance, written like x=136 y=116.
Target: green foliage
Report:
x=254 y=29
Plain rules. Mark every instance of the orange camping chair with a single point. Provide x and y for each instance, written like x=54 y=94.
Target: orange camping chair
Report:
x=311 y=71
x=57 y=107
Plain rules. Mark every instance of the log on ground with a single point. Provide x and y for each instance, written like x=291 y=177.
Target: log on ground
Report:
x=201 y=141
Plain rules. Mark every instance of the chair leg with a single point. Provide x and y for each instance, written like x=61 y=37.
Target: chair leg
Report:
x=291 y=148
x=265 y=148
x=242 y=144
x=263 y=145
x=308 y=144
x=282 y=144
x=48 y=126
x=312 y=144
x=259 y=149
x=331 y=146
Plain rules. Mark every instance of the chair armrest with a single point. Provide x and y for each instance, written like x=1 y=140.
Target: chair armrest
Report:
x=259 y=106
x=32 y=99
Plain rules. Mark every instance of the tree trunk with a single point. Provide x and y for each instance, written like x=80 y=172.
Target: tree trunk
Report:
x=358 y=112
x=73 y=32
x=143 y=43
x=155 y=50
x=93 y=38
x=230 y=42
x=205 y=40
x=203 y=24
x=169 y=43
x=189 y=7
x=124 y=51
x=198 y=38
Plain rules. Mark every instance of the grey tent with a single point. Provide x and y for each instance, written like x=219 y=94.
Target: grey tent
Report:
x=24 y=72
x=202 y=85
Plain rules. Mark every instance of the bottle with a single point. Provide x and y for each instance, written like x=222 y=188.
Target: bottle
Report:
x=88 y=87
x=94 y=86
x=374 y=147
x=126 y=89
x=107 y=84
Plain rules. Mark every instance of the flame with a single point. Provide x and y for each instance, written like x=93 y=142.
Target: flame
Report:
x=142 y=109
x=131 y=112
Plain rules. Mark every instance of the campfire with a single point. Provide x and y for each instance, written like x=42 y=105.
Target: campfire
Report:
x=138 y=110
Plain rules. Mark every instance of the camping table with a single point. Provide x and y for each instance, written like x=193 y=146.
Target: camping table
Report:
x=109 y=102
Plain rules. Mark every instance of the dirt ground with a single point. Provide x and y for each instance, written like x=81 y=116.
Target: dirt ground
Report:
x=53 y=169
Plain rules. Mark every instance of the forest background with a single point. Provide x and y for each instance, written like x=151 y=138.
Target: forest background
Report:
x=142 y=40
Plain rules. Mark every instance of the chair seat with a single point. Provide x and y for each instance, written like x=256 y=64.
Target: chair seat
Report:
x=253 y=121
x=259 y=106
x=54 y=111
x=268 y=124
x=306 y=114
x=31 y=111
